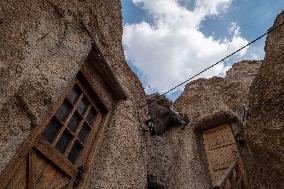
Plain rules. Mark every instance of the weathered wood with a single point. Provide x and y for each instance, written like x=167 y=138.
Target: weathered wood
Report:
x=20 y=176
x=24 y=149
x=233 y=176
x=239 y=183
x=42 y=165
x=221 y=150
x=226 y=176
x=50 y=176
x=54 y=156
x=32 y=169
x=94 y=145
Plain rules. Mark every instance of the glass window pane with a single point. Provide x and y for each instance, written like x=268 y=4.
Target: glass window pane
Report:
x=74 y=94
x=84 y=132
x=51 y=130
x=64 y=110
x=64 y=141
x=74 y=122
x=75 y=151
x=83 y=105
x=91 y=116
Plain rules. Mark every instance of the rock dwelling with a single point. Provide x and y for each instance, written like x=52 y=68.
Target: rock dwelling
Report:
x=73 y=114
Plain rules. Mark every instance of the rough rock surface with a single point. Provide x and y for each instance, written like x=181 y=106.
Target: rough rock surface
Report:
x=205 y=97
x=176 y=158
x=174 y=161
x=163 y=115
x=42 y=48
x=265 y=126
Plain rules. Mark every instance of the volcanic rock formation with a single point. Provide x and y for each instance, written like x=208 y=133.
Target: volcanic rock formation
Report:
x=265 y=126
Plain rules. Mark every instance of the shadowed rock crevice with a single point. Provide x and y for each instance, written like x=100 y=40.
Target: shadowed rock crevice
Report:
x=163 y=114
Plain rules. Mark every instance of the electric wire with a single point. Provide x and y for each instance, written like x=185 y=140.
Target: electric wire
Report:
x=204 y=70
x=245 y=46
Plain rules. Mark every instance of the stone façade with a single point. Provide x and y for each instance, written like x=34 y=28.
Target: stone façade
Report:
x=265 y=123
x=250 y=97
x=43 y=47
x=177 y=159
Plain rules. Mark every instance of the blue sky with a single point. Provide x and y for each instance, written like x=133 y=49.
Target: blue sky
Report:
x=168 y=41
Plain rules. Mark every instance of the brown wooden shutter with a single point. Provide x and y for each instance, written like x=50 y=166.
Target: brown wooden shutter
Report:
x=221 y=150
x=59 y=152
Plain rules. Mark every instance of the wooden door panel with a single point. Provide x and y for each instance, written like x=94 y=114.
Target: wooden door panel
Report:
x=216 y=175
x=20 y=177
x=47 y=175
x=57 y=153
x=218 y=137
x=221 y=158
x=221 y=150
x=36 y=171
x=53 y=155
x=39 y=166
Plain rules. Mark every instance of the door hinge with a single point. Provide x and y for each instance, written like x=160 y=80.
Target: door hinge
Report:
x=79 y=175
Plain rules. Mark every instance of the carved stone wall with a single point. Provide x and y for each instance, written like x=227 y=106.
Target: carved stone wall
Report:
x=42 y=48
x=177 y=156
x=265 y=125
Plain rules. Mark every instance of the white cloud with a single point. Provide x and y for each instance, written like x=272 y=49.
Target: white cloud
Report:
x=254 y=56
x=234 y=29
x=172 y=48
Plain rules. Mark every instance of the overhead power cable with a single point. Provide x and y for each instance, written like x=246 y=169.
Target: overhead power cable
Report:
x=270 y=30
x=248 y=44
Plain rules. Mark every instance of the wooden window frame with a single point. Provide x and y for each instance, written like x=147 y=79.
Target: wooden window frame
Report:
x=35 y=140
x=202 y=128
x=75 y=133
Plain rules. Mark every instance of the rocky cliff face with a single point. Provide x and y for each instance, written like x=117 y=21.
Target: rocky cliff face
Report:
x=205 y=97
x=176 y=159
x=265 y=127
x=42 y=48
x=252 y=88
x=163 y=115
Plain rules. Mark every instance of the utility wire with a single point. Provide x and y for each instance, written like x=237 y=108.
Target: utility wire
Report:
x=248 y=44
x=253 y=41
x=270 y=30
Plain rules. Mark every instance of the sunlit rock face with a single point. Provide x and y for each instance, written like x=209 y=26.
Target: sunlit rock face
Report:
x=204 y=97
x=43 y=45
x=265 y=127
x=176 y=158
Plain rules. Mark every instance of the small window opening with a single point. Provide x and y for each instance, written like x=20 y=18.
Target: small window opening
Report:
x=70 y=127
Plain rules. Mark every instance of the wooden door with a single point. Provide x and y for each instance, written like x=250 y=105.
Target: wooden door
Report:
x=37 y=171
x=221 y=150
x=59 y=153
